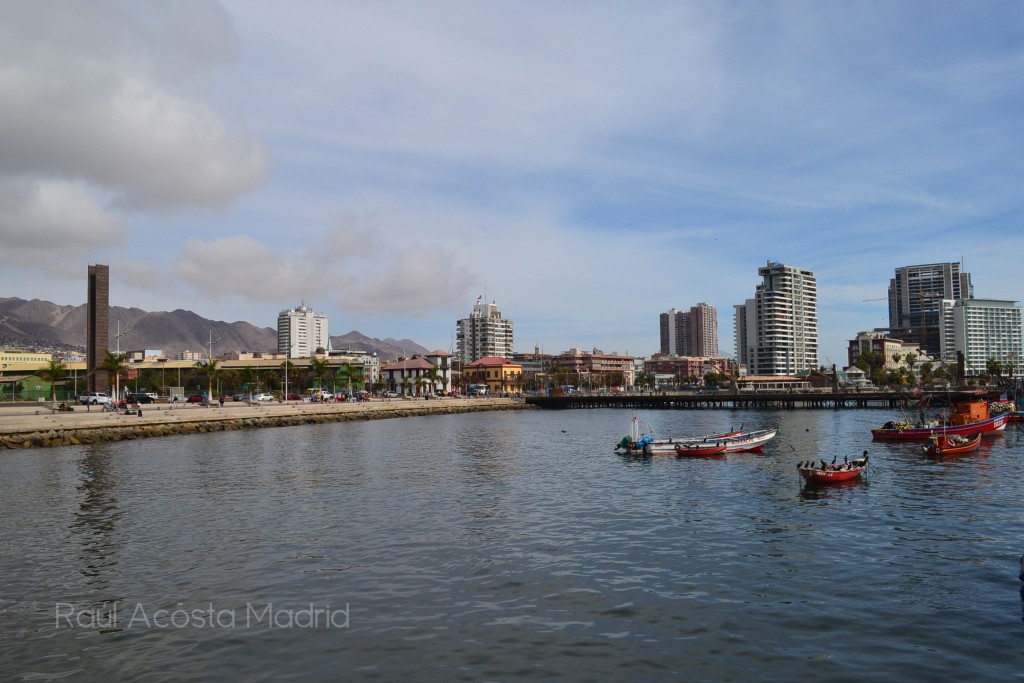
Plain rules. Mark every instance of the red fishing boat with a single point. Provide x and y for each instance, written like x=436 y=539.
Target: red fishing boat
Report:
x=822 y=473
x=952 y=444
x=968 y=417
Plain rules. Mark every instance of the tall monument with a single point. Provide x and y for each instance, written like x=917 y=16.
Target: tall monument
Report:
x=97 y=330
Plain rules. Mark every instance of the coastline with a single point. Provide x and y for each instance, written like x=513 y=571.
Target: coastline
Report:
x=37 y=426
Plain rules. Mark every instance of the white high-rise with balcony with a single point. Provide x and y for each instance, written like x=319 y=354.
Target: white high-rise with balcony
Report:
x=777 y=330
x=484 y=334
x=983 y=330
x=301 y=331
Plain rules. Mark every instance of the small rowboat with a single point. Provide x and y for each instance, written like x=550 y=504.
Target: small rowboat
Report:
x=701 y=448
x=952 y=444
x=832 y=474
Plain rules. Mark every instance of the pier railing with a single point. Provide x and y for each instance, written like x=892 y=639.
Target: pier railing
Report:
x=781 y=400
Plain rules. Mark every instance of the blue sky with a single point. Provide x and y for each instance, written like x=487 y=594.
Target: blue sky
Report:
x=585 y=165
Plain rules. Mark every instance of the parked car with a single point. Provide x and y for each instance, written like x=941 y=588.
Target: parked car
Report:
x=93 y=398
x=242 y=397
x=195 y=398
x=293 y=397
x=263 y=397
x=139 y=398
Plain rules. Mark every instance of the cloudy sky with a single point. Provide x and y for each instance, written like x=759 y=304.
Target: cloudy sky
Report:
x=585 y=165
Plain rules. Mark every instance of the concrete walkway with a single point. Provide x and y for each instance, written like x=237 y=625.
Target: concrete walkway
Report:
x=25 y=417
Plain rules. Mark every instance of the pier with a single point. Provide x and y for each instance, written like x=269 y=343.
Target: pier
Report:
x=821 y=400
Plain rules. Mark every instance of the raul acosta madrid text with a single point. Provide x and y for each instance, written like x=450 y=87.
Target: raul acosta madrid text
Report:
x=124 y=617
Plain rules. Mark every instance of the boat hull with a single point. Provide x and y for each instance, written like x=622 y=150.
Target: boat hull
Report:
x=911 y=433
x=817 y=476
x=943 y=445
x=754 y=442
x=698 y=450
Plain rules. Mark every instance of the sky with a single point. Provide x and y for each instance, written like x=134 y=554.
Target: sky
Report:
x=584 y=165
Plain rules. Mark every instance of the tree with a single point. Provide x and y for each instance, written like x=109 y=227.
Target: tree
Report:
x=645 y=379
x=344 y=375
x=871 y=362
x=114 y=364
x=208 y=369
x=431 y=378
x=994 y=368
x=54 y=372
x=318 y=368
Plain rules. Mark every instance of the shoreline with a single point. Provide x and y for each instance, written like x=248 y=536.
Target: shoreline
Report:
x=38 y=426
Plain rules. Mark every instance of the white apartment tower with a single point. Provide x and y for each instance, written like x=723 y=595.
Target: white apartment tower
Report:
x=301 y=331
x=777 y=330
x=983 y=329
x=483 y=334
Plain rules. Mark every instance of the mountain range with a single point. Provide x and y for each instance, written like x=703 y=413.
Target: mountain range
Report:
x=38 y=322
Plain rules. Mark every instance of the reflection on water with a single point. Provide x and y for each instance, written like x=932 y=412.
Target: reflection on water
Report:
x=95 y=522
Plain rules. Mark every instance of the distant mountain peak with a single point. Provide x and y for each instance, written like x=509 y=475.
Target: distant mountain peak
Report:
x=33 y=322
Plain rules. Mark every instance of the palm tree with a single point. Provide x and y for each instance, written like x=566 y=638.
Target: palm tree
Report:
x=114 y=364
x=318 y=368
x=431 y=377
x=54 y=372
x=248 y=377
x=210 y=370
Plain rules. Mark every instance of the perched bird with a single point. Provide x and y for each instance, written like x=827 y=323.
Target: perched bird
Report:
x=822 y=464
x=834 y=458
x=845 y=460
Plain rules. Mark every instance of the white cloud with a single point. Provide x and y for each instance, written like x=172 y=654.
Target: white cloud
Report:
x=50 y=223
x=109 y=94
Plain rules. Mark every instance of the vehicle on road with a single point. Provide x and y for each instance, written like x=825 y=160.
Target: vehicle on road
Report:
x=195 y=398
x=317 y=394
x=263 y=397
x=139 y=398
x=93 y=398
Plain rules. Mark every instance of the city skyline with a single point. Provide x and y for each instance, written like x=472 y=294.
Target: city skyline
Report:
x=587 y=166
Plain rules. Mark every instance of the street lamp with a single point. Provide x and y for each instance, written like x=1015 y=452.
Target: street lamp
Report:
x=117 y=380
x=209 y=360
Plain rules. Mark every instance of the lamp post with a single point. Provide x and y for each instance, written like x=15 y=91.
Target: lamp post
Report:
x=209 y=360
x=117 y=379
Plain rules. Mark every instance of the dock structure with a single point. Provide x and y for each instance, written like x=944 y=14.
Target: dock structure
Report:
x=718 y=400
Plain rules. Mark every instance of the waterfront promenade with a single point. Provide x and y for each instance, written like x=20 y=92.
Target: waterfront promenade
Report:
x=36 y=425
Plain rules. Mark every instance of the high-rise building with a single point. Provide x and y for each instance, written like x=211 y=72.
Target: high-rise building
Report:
x=691 y=333
x=301 y=331
x=97 y=333
x=915 y=294
x=673 y=332
x=777 y=330
x=983 y=330
x=703 y=331
x=484 y=333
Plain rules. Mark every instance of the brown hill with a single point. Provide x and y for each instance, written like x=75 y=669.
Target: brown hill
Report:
x=38 y=322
